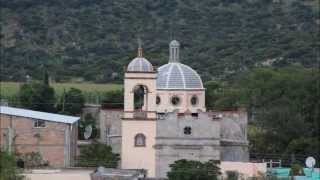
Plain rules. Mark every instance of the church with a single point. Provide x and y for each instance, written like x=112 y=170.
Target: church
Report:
x=165 y=119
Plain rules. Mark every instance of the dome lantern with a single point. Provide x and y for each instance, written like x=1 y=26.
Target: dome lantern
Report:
x=174 y=51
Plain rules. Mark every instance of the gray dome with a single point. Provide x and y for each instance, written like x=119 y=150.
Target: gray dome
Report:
x=178 y=76
x=174 y=43
x=140 y=64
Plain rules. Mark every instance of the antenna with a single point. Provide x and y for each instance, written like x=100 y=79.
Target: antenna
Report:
x=310 y=162
x=87 y=132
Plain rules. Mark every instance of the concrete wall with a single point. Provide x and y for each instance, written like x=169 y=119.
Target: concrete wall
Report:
x=246 y=169
x=234 y=143
x=110 y=121
x=138 y=157
x=50 y=141
x=172 y=144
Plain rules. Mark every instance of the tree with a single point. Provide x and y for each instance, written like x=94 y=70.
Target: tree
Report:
x=71 y=102
x=37 y=96
x=98 y=154
x=194 y=170
x=284 y=103
x=212 y=88
x=8 y=168
x=113 y=99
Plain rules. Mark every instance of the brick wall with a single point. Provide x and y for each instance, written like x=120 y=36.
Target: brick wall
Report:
x=49 y=141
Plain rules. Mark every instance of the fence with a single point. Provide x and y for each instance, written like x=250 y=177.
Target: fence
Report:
x=279 y=160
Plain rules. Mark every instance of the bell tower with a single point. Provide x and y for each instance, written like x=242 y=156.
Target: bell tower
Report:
x=139 y=118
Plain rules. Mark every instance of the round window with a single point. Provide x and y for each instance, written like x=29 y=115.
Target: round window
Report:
x=158 y=100
x=175 y=100
x=194 y=100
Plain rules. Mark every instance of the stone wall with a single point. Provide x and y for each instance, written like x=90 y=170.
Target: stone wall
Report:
x=234 y=143
x=172 y=144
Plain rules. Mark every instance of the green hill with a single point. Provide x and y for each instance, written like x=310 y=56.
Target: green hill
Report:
x=94 y=39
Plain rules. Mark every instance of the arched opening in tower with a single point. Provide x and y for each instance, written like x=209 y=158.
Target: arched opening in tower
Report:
x=140 y=98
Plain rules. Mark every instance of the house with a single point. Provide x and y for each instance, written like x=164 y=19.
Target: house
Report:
x=54 y=136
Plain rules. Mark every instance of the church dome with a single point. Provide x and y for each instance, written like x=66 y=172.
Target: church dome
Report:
x=178 y=76
x=140 y=64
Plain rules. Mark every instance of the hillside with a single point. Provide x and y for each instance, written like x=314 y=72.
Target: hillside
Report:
x=93 y=39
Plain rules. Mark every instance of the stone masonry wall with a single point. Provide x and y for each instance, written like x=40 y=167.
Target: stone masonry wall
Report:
x=172 y=144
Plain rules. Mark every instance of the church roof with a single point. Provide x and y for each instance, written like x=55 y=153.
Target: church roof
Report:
x=178 y=76
x=140 y=64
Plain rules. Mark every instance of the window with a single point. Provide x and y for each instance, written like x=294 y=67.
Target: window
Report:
x=187 y=130
x=158 y=100
x=194 y=100
x=175 y=100
x=39 y=123
x=140 y=140
x=195 y=115
x=161 y=116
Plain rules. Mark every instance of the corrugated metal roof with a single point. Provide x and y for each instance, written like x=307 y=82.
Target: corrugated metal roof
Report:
x=38 y=115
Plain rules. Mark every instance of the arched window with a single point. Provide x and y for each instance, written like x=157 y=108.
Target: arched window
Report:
x=194 y=100
x=140 y=140
x=158 y=100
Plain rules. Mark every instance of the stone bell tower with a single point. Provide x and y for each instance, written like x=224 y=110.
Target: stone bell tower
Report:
x=139 y=119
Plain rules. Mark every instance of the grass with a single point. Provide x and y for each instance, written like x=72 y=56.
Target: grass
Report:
x=11 y=89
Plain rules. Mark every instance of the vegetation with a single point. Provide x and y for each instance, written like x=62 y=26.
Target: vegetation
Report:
x=232 y=175
x=38 y=97
x=283 y=106
x=71 y=102
x=296 y=170
x=33 y=160
x=92 y=40
x=8 y=168
x=93 y=93
x=193 y=170
x=285 y=110
x=98 y=154
x=113 y=99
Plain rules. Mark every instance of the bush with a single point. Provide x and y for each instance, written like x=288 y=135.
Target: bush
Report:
x=296 y=170
x=98 y=154
x=33 y=160
x=8 y=168
x=191 y=170
x=232 y=175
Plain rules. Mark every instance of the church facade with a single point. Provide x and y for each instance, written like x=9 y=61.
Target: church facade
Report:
x=165 y=119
